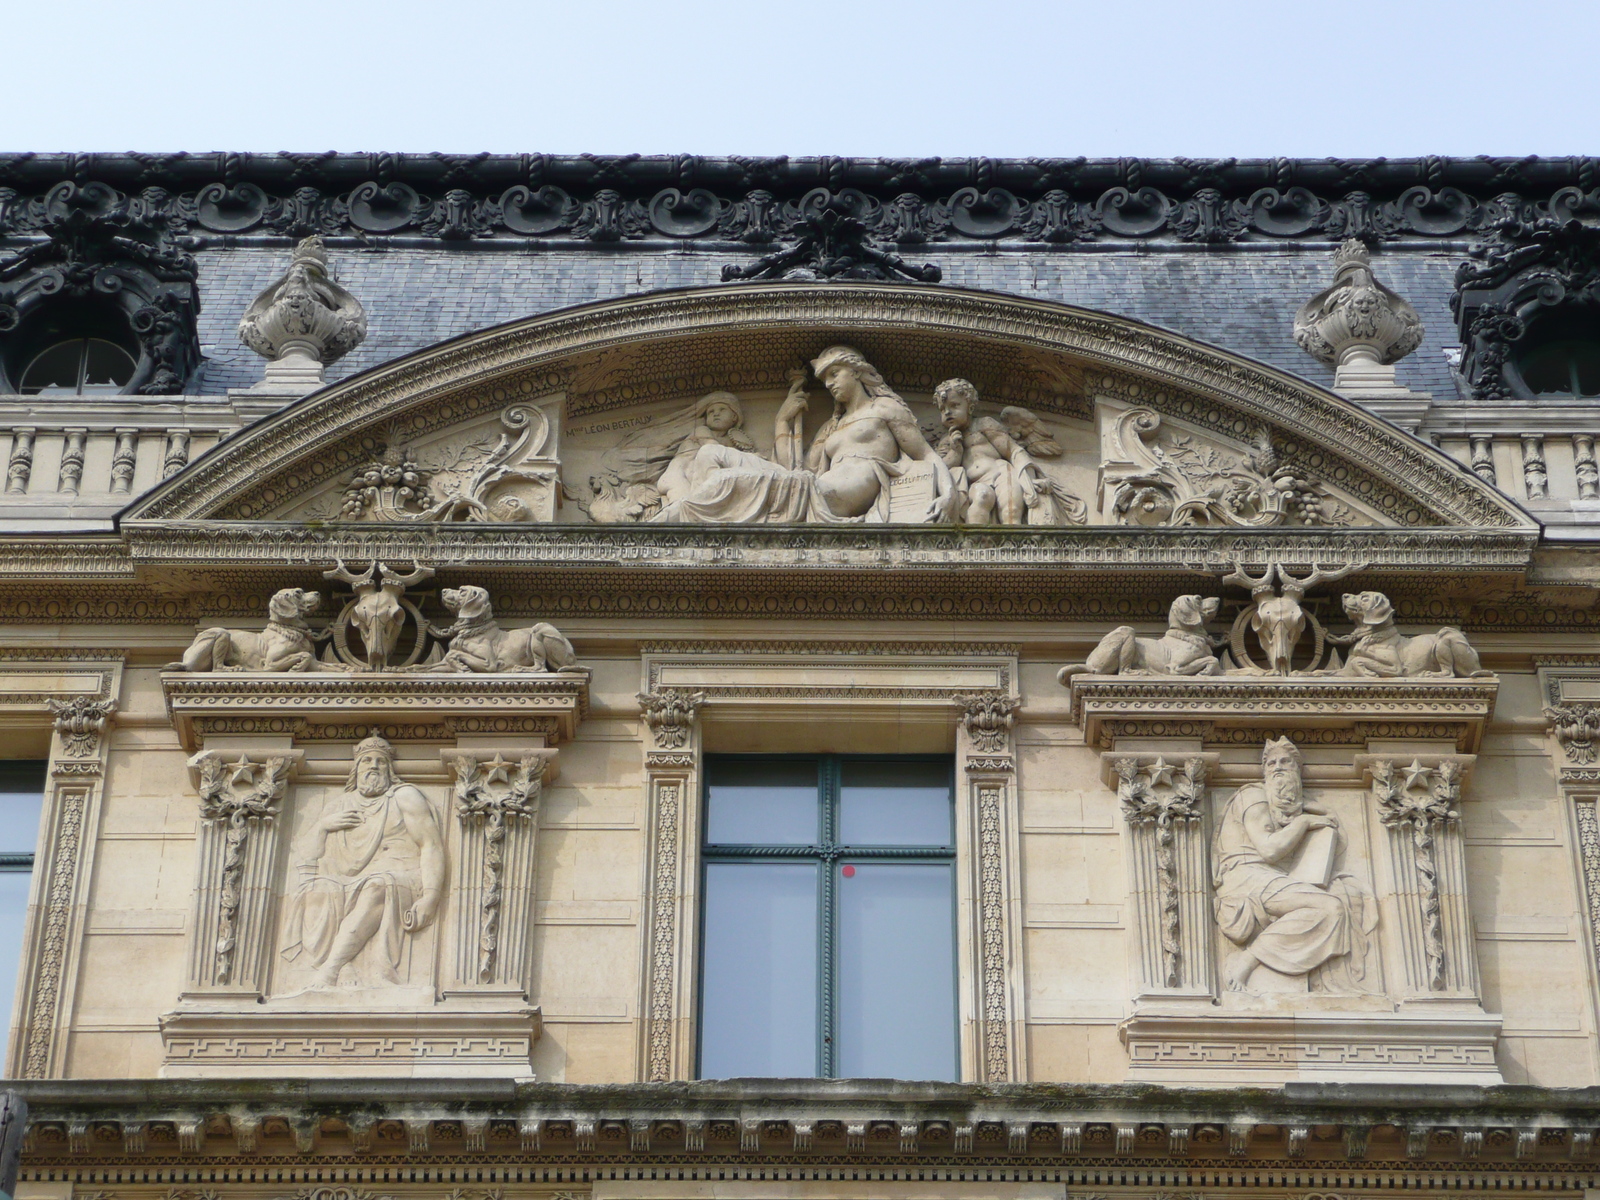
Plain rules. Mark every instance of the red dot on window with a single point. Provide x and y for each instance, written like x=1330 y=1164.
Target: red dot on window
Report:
x=848 y=872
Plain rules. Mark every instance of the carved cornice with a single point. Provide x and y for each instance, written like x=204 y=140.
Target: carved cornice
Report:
x=1537 y=1132
x=316 y=441
x=362 y=700
x=1105 y=704
x=753 y=201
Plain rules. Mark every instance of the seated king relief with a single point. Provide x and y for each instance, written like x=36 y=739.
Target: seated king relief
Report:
x=845 y=475
x=1280 y=898
x=368 y=874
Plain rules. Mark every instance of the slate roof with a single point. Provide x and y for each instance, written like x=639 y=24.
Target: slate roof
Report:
x=1240 y=298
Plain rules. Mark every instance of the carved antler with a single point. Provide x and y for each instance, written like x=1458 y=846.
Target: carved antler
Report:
x=343 y=574
x=1299 y=587
x=402 y=582
x=1244 y=579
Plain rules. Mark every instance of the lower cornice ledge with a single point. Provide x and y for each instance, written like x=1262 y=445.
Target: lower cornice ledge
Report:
x=466 y=1038
x=1267 y=1049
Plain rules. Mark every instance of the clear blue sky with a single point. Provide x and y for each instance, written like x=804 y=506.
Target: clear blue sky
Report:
x=869 y=77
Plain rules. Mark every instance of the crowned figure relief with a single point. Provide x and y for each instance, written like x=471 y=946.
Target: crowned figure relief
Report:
x=1280 y=896
x=368 y=874
x=844 y=476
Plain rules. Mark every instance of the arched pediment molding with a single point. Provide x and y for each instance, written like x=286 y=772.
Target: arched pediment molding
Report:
x=659 y=346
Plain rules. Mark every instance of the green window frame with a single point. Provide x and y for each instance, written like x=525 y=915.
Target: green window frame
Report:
x=838 y=864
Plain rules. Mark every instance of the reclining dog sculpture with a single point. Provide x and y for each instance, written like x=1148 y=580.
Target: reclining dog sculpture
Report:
x=478 y=644
x=286 y=644
x=1380 y=651
x=1185 y=648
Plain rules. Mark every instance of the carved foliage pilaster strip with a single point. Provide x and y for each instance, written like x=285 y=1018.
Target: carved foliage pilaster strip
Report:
x=664 y=929
x=1589 y=861
x=992 y=905
x=237 y=798
x=1421 y=805
x=1158 y=797
x=71 y=804
x=491 y=812
x=987 y=718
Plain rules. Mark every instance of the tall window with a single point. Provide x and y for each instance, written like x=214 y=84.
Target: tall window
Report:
x=829 y=918
x=21 y=799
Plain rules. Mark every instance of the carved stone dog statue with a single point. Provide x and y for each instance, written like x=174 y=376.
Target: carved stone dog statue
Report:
x=1380 y=651
x=478 y=644
x=1185 y=649
x=284 y=645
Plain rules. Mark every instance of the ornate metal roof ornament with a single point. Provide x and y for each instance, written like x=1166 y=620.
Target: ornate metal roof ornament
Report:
x=119 y=256
x=1358 y=325
x=302 y=322
x=1532 y=271
x=833 y=243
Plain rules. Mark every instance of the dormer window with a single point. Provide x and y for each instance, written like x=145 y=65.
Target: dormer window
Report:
x=1561 y=355
x=79 y=367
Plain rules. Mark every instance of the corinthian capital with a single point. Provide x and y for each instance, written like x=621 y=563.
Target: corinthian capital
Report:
x=302 y=322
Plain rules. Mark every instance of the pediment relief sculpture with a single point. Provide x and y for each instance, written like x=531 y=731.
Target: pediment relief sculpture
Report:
x=1284 y=896
x=1153 y=472
x=1278 y=622
x=380 y=629
x=621 y=394
x=869 y=461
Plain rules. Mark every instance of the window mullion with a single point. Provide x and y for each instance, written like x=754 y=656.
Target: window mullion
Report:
x=827 y=974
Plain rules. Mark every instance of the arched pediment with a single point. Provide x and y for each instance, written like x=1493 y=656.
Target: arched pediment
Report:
x=551 y=405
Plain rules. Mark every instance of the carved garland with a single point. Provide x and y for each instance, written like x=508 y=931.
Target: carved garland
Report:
x=240 y=811
x=475 y=804
x=1425 y=801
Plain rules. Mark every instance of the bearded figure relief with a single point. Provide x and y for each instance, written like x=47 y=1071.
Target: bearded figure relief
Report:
x=368 y=875
x=1281 y=897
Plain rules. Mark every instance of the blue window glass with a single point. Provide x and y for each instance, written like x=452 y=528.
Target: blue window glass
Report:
x=828 y=920
x=21 y=801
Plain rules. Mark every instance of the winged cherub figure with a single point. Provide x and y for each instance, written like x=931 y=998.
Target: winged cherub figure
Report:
x=993 y=463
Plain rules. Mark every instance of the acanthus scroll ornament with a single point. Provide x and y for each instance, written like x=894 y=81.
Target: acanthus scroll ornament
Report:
x=1425 y=801
x=477 y=804
x=1576 y=727
x=1160 y=795
x=988 y=718
x=670 y=713
x=80 y=721
x=1154 y=476
x=238 y=795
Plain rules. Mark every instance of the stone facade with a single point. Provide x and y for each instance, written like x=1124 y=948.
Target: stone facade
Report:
x=378 y=719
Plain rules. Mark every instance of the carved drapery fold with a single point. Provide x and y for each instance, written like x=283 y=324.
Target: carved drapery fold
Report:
x=497 y=805
x=236 y=862
x=1420 y=806
x=1169 y=875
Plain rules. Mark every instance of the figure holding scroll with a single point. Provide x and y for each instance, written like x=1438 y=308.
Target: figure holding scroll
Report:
x=1280 y=898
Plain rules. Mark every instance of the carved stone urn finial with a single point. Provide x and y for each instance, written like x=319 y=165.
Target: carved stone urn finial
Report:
x=1358 y=325
x=302 y=322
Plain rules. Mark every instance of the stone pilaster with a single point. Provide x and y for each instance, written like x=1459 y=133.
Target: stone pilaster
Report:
x=496 y=805
x=987 y=762
x=1419 y=804
x=236 y=890
x=672 y=775
x=1169 y=873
